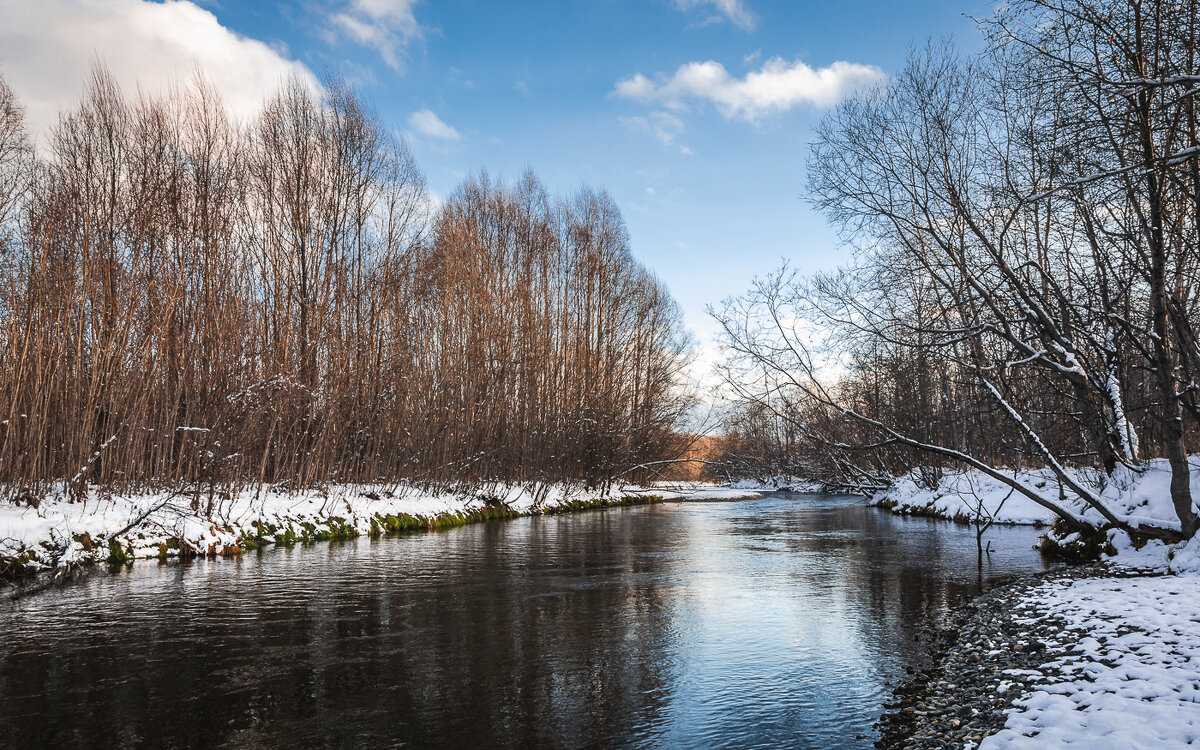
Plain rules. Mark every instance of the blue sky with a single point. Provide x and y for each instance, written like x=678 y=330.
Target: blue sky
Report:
x=708 y=172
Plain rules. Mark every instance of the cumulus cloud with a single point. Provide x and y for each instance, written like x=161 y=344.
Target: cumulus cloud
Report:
x=664 y=126
x=427 y=124
x=386 y=26
x=48 y=47
x=733 y=11
x=780 y=85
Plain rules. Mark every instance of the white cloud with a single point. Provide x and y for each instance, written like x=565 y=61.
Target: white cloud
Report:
x=426 y=123
x=778 y=86
x=664 y=126
x=386 y=26
x=733 y=11
x=48 y=47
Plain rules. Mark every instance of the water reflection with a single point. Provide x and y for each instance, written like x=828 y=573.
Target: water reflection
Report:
x=771 y=623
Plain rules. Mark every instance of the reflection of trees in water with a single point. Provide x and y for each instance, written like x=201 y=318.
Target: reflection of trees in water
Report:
x=895 y=576
x=498 y=633
x=907 y=574
x=556 y=631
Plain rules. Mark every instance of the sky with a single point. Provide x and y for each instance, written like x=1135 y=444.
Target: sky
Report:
x=695 y=115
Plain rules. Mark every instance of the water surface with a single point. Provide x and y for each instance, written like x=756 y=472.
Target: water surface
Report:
x=768 y=623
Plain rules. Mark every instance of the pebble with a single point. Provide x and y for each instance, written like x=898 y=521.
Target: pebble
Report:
x=929 y=711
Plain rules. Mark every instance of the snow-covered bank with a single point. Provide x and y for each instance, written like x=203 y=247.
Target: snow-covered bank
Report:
x=1088 y=656
x=964 y=495
x=1122 y=671
x=1099 y=657
x=779 y=483
x=1139 y=497
x=58 y=534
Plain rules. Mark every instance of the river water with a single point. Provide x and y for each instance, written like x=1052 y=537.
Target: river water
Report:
x=771 y=623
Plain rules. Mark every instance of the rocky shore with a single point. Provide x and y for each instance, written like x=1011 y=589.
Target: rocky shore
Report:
x=987 y=659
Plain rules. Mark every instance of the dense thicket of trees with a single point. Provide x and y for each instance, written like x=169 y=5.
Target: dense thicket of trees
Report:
x=1023 y=291
x=189 y=301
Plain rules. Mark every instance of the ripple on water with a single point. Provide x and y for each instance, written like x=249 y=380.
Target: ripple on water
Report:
x=766 y=623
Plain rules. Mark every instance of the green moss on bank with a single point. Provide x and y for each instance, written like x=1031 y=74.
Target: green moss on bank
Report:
x=1062 y=543
x=918 y=511
x=389 y=524
x=117 y=555
x=262 y=534
x=577 y=505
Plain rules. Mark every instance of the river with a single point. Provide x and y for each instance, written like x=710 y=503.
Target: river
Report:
x=774 y=623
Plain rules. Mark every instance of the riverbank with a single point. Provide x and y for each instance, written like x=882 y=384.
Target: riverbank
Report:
x=1139 y=496
x=1096 y=656
x=56 y=538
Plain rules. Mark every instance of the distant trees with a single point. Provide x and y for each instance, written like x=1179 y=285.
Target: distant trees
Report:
x=192 y=302
x=1023 y=289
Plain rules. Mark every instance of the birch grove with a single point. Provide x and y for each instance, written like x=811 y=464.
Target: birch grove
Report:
x=194 y=303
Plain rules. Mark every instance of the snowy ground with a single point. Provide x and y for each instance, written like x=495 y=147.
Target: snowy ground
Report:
x=779 y=483
x=1124 y=670
x=57 y=534
x=1139 y=497
x=964 y=494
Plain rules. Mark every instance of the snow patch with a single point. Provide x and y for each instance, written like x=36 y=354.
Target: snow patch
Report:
x=779 y=483
x=1130 y=676
x=1139 y=497
x=58 y=533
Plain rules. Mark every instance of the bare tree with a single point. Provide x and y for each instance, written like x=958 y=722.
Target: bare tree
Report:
x=1003 y=309
x=202 y=305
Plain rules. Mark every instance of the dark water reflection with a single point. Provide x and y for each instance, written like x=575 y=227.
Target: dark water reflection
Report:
x=769 y=623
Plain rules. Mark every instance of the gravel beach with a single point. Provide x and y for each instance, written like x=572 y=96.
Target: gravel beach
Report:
x=982 y=663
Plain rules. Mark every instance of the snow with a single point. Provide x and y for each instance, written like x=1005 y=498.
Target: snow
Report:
x=58 y=533
x=1140 y=497
x=721 y=493
x=964 y=494
x=1185 y=558
x=779 y=483
x=1125 y=671
x=1153 y=556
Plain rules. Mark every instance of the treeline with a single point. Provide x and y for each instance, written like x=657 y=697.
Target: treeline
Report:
x=192 y=302
x=1023 y=289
